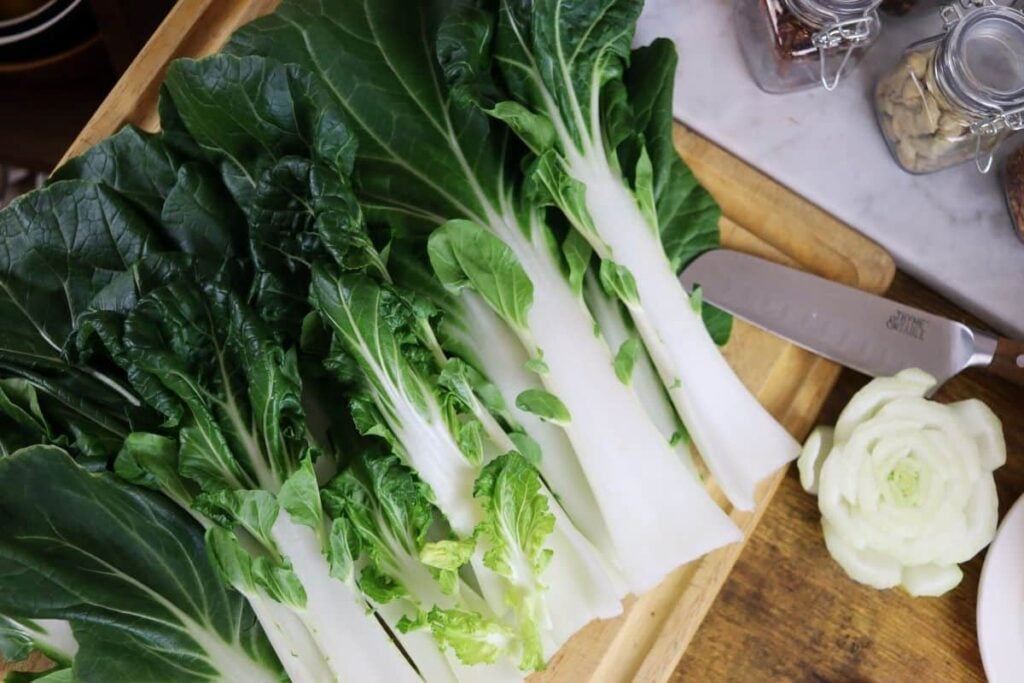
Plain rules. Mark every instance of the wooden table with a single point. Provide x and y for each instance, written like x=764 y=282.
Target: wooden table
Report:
x=789 y=613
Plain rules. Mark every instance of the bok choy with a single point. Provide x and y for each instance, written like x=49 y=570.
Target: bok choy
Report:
x=571 y=94
x=125 y=571
x=424 y=160
x=371 y=365
x=407 y=390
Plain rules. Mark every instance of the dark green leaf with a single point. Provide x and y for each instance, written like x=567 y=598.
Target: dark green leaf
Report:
x=687 y=214
x=127 y=568
x=246 y=113
x=422 y=158
x=60 y=246
x=138 y=165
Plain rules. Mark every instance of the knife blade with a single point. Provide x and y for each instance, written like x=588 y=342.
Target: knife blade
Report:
x=868 y=333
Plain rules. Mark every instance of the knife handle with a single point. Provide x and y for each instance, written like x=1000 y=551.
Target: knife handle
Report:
x=1008 y=361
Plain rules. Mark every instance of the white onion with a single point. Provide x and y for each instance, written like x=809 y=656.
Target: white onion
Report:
x=905 y=485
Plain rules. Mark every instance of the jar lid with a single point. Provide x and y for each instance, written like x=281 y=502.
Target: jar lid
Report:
x=822 y=13
x=983 y=65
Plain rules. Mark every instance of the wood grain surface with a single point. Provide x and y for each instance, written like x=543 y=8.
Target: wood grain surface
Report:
x=1009 y=361
x=789 y=613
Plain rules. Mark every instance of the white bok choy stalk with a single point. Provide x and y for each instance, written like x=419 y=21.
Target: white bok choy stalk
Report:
x=450 y=162
x=571 y=99
x=471 y=329
x=634 y=367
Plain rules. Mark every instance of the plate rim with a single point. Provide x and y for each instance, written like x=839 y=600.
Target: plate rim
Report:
x=36 y=29
x=24 y=18
x=1010 y=535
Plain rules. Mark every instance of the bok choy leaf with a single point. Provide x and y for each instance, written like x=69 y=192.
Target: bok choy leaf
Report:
x=126 y=570
x=245 y=461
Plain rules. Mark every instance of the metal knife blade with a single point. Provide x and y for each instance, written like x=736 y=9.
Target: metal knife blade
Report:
x=868 y=333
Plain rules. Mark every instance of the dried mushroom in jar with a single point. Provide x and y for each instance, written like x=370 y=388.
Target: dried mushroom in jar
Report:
x=958 y=95
x=793 y=39
x=924 y=131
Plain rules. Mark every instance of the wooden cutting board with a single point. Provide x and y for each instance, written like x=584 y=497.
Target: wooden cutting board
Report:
x=761 y=217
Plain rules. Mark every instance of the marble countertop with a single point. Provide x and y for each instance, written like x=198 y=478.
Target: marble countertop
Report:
x=951 y=229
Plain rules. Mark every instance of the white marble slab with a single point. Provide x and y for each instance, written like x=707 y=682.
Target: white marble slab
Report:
x=951 y=229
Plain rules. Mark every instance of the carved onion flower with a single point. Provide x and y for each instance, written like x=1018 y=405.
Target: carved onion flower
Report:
x=905 y=485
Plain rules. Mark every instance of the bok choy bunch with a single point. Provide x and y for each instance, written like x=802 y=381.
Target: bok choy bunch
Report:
x=109 y=581
x=112 y=581
x=431 y=166
x=371 y=365
x=233 y=447
x=545 y=574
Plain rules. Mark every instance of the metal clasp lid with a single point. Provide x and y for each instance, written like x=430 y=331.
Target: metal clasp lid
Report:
x=851 y=32
x=989 y=129
x=952 y=13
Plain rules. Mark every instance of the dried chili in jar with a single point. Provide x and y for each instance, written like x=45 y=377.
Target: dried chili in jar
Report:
x=794 y=44
x=794 y=38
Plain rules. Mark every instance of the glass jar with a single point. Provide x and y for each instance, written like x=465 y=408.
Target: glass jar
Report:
x=795 y=44
x=1013 y=186
x=958 y=95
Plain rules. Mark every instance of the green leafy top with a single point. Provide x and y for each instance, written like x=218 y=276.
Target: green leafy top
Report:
x=22 y=422
x=286 y=154
x=560 y=54
x=515 y=532
x=127 y=569
x=245 y=113
x=571 y=90
x=138 y=165
x=238 y=392
x=61 y=246
x=387 y=515
x=423 y=157
x=464 y=254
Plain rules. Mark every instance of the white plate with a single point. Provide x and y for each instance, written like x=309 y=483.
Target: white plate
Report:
x=1001 y=601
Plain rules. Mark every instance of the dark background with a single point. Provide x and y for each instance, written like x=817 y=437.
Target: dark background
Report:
x=52 y=82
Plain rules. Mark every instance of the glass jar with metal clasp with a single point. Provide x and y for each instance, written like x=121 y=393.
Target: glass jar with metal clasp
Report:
x=956 y=96
x=795 y=44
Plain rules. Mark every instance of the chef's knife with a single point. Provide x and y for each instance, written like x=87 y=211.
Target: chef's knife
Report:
x=862 y=331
